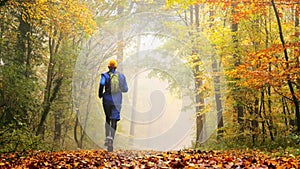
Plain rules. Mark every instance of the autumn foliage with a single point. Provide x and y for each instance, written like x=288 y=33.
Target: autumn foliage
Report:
x=265 y=68
x=148 y=159
x=257 y=43
x=256 y=51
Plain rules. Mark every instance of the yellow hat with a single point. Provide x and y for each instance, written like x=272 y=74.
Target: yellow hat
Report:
x=112 y=64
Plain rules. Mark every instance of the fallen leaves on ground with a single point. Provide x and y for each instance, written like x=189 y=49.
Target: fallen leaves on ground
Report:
x=146 y=159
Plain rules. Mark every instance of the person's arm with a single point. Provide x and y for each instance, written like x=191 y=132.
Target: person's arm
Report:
x=101 y=86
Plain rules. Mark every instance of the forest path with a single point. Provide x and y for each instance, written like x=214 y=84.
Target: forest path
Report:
x=148 y=159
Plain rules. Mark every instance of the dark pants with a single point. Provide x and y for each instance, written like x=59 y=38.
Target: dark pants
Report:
x=110 y=124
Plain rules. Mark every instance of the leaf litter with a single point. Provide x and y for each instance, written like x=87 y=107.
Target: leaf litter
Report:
x=187 y=159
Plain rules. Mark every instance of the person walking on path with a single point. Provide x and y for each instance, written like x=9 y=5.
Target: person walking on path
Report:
x=112 y=85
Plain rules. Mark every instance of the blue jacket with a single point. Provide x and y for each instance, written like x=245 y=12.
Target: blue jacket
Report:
x=108 y=98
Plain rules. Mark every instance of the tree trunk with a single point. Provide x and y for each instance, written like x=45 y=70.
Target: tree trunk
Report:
x=135 y=93
x=261 y=109
x=284 y=110
x=297 y=48
x=24 y=42
x=238 y=108
x=120 y=43
x=57 y=126
x=82 y=133
x=270 y=123
x=48 y=96
x=200 y=118
x=217 y=86
x=24 y=29
x=217 y=90
x=254 y=122
x=286 y=57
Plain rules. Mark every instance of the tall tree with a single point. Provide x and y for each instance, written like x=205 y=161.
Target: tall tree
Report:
x=216 y=68
x=287 y=66
x=58 y=27
x=200 y=118
x=258 y=69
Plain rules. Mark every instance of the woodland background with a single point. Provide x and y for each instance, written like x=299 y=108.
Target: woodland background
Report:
x=255 y=82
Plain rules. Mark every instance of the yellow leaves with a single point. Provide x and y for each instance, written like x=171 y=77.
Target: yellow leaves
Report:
x=40 y=1
x=148 y=1
x=183 y=4
x=67 y=17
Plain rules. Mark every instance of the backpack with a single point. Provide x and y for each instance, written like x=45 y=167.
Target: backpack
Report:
x=114 y=83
